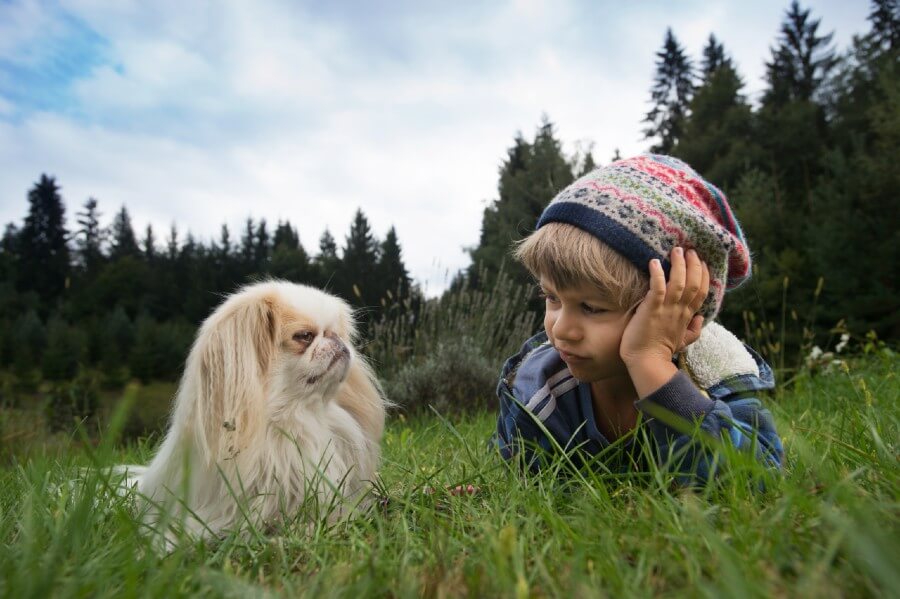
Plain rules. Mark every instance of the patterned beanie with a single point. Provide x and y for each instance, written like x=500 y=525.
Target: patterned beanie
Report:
x=643 y=207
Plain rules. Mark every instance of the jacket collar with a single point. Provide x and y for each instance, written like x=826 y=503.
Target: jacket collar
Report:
x=718 y=362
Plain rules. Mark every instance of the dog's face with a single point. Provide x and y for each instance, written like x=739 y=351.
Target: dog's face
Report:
x=269 y=350
x=314 y=348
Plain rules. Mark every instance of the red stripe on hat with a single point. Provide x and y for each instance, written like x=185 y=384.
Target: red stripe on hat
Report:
x=685 y=183
x=691 y=187
x=664 y=223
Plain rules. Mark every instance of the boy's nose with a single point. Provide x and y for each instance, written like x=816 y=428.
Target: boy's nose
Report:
x=565 y=327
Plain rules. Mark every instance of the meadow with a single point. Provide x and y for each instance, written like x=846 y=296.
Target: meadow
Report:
x=826 y=528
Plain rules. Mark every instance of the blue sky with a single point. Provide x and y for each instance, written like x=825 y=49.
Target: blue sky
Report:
x=201 y=113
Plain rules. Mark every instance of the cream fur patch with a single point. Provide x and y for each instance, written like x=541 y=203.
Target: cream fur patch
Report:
x=718 y=355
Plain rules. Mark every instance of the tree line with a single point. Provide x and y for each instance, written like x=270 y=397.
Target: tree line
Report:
x=101 y=296
x=810 y=170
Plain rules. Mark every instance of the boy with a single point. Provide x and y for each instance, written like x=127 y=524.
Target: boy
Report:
x=633 y=259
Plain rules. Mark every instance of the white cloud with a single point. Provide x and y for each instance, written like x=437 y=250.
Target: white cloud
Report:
x=203 y=113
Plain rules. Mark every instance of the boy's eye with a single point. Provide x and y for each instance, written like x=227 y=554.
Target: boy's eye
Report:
x=591 y=309
x=549 y=297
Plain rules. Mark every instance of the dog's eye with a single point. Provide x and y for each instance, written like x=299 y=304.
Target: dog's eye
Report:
x=304 y=337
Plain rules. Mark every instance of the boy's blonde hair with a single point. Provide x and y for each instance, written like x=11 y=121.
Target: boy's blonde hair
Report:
x=569 y=256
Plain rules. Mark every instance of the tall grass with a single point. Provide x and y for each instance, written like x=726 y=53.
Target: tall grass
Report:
x=447 y=351
x=785 y=345
x=828 y=528
x=493 y=321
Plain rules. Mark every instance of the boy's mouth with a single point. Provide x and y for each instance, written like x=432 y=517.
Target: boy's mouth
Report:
x=569 y=357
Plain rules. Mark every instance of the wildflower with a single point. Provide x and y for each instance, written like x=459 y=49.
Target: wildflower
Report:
x=845 y=339
x=814 y=354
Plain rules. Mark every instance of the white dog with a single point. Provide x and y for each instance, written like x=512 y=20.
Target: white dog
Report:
x=275 y=413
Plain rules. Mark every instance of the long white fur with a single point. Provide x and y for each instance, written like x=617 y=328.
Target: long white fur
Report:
x=259 y=431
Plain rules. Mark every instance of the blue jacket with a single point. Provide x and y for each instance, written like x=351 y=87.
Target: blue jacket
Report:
x=716 y=390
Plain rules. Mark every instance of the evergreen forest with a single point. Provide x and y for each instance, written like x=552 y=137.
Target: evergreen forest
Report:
x=809 y=167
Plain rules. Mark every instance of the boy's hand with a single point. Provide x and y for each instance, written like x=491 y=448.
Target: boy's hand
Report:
x=666 y=320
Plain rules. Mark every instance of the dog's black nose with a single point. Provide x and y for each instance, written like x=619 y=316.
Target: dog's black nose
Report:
x=339 y=345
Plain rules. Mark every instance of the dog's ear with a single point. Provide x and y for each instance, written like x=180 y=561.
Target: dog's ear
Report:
x=360 y=394
x=236 y=351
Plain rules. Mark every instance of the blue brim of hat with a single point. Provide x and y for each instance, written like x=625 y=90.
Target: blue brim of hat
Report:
x=607 y=230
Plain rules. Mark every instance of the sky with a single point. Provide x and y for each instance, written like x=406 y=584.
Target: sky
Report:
x=204 y=113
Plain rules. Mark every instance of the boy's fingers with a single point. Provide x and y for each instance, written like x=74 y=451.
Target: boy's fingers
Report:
x=693 y=330
x=693 y=277
x=657 y=281
x=702 y=288
x=675 y=288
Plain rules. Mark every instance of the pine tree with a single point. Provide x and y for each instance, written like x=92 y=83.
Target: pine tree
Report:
x=223 y=267
x=191 y=281
x=248 y=244
x=670 y=95
x=714 y=58
x=588 y=165
x=172 y=244
x=89 y=238
x=149 y=244
x=864 y=78
x=9 y=255
x=190 y=249
x=327 y=263
x=10 y=240
x=291 y=264
x=717 y=139
x=289 y=260
x=858 y=188
x=583 y=160
x=794 y=129
x=261 y=247
x=42 y=243
x=225 y=242
x=359 y=260
x=327 y=246
x=392 y=272
x=285 y=235
x=800 y=62
x=529 y=178
x=885 y=19
x=122 y=239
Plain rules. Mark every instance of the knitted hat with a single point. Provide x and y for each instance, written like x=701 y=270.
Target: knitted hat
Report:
x=643 y=207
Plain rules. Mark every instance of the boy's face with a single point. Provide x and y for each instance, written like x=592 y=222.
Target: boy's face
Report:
x=586 y=328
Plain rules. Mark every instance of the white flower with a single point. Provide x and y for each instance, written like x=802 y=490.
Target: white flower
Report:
x=815 y=353
x=845 y=338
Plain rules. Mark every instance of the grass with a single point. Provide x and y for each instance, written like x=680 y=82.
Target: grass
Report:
x=826 y=529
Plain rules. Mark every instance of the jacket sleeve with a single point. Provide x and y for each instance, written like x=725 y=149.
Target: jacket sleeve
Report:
x=738 y=418
x=518 y=435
